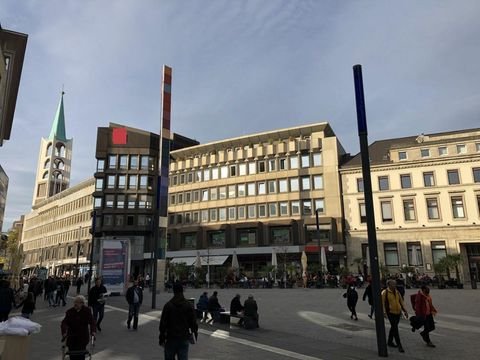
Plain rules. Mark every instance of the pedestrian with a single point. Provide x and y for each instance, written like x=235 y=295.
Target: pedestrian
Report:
x=147 y=280
x=28 y=305
x=134 y=298
x=79 y=284
x=66 y=286
x=75 y=327
x=202 y=305
x=50 y=287
x=178 y=326
x=96 y=301
x=7 y=300
x=352 y=299
x=60 y=293
x=236 y=308
x=368 y=294
x=214 y=308
x=250 y=313
x=424 y=310
x=393 y=306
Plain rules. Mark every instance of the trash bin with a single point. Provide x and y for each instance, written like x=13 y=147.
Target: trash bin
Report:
x=14 y=347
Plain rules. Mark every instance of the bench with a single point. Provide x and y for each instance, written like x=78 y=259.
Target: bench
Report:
x=225 y=317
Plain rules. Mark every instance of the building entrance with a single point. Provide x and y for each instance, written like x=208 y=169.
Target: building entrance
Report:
x=473 y=254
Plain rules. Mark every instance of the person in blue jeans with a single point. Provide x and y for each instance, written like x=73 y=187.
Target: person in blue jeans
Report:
x=178 y=326
x=134 y=298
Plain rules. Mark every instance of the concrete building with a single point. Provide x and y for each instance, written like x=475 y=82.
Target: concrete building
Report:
x=257 y=194
x=3 y=194
x=426 y=192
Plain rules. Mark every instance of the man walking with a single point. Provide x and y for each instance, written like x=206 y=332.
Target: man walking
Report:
x=134 y=298
x=96 y=301
x=178 y=325
x=393 y=306
x=424 y=310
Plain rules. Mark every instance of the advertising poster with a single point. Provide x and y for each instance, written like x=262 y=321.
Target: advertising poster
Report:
x=115 y=263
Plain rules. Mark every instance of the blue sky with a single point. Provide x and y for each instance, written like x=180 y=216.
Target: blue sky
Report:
x=239 y=67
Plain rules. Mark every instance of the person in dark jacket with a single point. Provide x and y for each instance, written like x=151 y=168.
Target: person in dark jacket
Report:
x=202 y=305
x=369 y=296
x=178 y=325
x=352 y=299
x=236 y=308
x=60 y=293
x=7 y=300
x=134 y=298
x=50 y=287
x=75 y=327
x=424 y=310
x=79 y=284
x=96 y=301
x=250 y=312
x=28 y=305
x=214 y=308
x=66 y=286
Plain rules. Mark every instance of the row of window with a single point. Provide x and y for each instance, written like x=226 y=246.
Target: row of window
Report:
x=248 y=168
x=122 y=201
x=303 y=183
x=252 y=211
x=414 y=253
x=123 y=220
x=442 y=151
x=409 y=211
x=126 y=162
x=453 y=177
x=130 y=182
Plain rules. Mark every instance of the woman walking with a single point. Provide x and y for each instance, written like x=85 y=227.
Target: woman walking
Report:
x=352 y=299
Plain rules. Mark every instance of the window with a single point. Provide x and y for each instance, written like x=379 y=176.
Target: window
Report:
x=261 y=166
x=120 y=201
x=189 y=240
x=262 y=210
x=283 y=208
x=317 y=159
x=224 y=172
x=143 y=181
x=414 y=253
x=305 y=183
x=457 y=207
x=97 y=202
x=439 y=251
x=295 y=209
x=196 y=196
x=143 y=162
x=122 y=181
x=213 y=194
x=306 y=207
x=232 y=211
x=242 y=169
x=98 y=184
x=180 y=198
x=111 y=181
x=222 y=214
x=383 y=183
x=232 y=193
x=461 y=149
x=144 y=220
x=241 y=190
x=409 y=210
x=294 y=184
x=476 y=175
x=214 y=173
x=406 y=181
x=204 y=216
x=222 y=192
x=272 y=186
x=241 y=212
x=320 y=205
x=453 y=177
x=171 y=219
x=204 y=194
x=402 y=155
x=477 y=147
x=216 y=238
x=318 y=182
x=442 y=151
x=100 y=164
x=213 y=214
x=142 y=201
x=282 y=185
x=182 y=178
x=272 y=209
x=391 y=254
x=363 y=213
x=282 y=164
x=424 y=153
x=247 y=237
x=196 y=217
x=131 y=199
x=190 y=177
x=107 y=220
x=132 y=182
x=173 y=198
x=252 y=168
x=251 y=189
x=272 y=165
x=109 y=200
x=134 y=162
x=386 y=211
x=293 y=162
x=262 y=189
x=206 y=174
x=428 y=179
x=360 y=184
x=123 y=162
x=305 y=161
x=233 y=170
x=478 y=203
x=174 y=180
x=112 y=161
x=432 y=209
x=198 y=176
x=280 y=236
x=251 y=211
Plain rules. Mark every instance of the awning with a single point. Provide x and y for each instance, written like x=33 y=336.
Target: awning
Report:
x=206 y=260
x=183 y=260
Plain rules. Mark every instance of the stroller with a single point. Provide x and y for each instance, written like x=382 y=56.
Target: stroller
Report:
x=67 y=354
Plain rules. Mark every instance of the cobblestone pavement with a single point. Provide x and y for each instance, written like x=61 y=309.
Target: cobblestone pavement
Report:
x=304 y=324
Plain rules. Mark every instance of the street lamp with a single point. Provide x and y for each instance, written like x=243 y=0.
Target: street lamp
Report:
x=319 y=247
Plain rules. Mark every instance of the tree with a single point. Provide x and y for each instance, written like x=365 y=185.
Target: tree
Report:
x=452 y=261
x=14 y=252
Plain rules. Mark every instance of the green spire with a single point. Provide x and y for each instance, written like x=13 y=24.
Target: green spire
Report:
x=58 y=126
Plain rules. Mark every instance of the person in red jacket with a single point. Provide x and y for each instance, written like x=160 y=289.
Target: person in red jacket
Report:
x=425 y=310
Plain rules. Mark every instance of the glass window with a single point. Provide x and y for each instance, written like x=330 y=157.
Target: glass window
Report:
x=457 y=207
x=439 y=251
x=189 y=240
x=272 y=186
x=461 y=149
x=252 y=168
x=387 y=215
x=174 y=180
x=409 y=210
x=261 y=167
x=213 y=194
x=97 y=202
x=272 y=209
x=295 y=210
x=120 y=201
x=305 y=183
x=224 y=172
x=402 y=155
x=143 y=181
x=453 y=177
x=213 y=214
x=109 y=200
x=294 y=184
x=305 y=160
x=442 y=150
x=232 y=211
x=204 y=194
x=196 y=196
x=306 y=207
x=107 y=220
x=247 y=237
x=182 y=178
x=360 y=184
x=282 y=164
x=216 y=238
x=282 y=185
x=222 y=190
x=222 y=214
x=122 y=181
x=204 y=214
x=241 y=212
x=134 y=162
x=283 y=208
x=363 y=213
x=406 y=181
x=173 y=198
x=477 y=146
x=142 y=201
x=262 y=190
x=251 y=189
x=424 y=152
x=317 y=159
x=198 y=176
x=233 y=170
x=232 y=193
x=123 y=161
x=180 y=198
x=131 y=199
x=242 y=169
x=206 y=174
x=99 y=184
x=272 y=165
x=414 y=253
x=391 y=254
x=432 y=209
x=190 y=177
x=280 y=236
x=383 y=183
x=112 y=161
x=476 y=175
x=320 y=205
x=428 y=179
x=171 y=219
x=251 y=212
x=144 y=162
x=132 y=181
x=262 y=210
x=111 y=181
x=318 y=182
x=294 y=162
x=214 y=173
x=241 y=190
x=100 y=164
x=196 y=217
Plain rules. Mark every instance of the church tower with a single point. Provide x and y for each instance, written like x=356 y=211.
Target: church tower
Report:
x=54 y=160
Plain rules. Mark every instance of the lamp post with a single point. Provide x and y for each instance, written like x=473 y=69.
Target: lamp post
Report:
x=319 y=247
x=78 y=251
x=90 y=271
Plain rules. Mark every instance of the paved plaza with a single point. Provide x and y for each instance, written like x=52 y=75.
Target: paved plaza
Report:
x=303 y=324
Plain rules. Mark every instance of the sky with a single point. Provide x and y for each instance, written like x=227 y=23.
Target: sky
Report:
x=239 y=67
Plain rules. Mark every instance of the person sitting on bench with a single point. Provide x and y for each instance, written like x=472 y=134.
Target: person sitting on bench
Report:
x=250 y=313
x=202 y=305
x=214 y=308
x=236 y=308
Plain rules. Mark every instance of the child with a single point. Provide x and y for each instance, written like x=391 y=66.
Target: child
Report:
x=28 y=305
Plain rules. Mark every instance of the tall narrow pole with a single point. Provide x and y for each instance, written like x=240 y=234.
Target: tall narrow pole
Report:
x=78 y=250
x=319 y=248
x=90 y=271
x=367 y=186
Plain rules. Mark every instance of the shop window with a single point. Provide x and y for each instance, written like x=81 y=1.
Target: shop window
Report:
x=391 y=254
x=439 y=251
x=247 y=237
